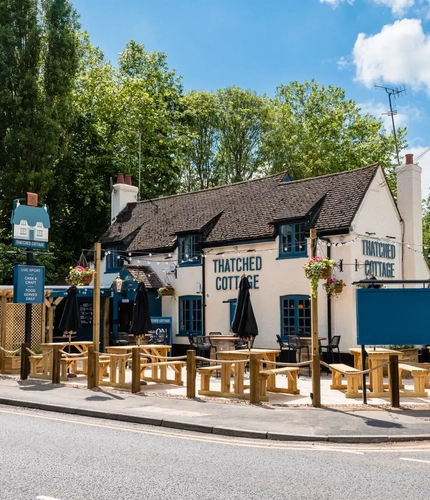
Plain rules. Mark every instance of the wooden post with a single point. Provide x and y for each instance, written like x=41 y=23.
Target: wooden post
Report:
x=25 y=362
x=316 y=368
x=106 y=323
x=254 y=379
x=43 y=321
x=96 y=298
x=56 y=365
x=93 y=369
x=191 y=374
x=3 y=327
x=135 y=370
x=394 y=381
x=50 y=320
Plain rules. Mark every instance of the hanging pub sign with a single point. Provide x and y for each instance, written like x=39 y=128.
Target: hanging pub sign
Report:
x=30 y=224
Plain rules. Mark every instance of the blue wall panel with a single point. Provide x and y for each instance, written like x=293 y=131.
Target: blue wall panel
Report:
x=393 y=316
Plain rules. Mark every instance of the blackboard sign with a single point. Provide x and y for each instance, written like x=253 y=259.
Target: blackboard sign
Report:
x=86 y=313
x=162 y=325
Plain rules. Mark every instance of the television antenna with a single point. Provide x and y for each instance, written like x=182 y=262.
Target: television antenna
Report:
x=397 y=92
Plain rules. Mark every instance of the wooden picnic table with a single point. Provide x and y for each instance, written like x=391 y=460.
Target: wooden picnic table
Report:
x=159 y=373
x=81 y=346
x=376 y=356
x=268 y=355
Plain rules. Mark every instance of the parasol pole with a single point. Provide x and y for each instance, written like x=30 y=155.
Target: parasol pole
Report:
x=316 y=369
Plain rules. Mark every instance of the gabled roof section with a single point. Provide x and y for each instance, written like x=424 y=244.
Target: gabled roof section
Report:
x=32 y=215
x=145 y=274
x=243 y=211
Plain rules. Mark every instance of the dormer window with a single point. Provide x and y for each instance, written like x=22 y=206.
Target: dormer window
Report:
x=292 y=240
x=189 y=253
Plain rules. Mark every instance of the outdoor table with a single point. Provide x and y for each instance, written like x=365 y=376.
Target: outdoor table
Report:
x=158 y=350
x=376 y=356
x=80 y=346
x=268 y=355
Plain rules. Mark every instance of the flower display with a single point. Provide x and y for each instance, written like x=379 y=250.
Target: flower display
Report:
x=316 y=269
x=166 y=290
x=333 y=286
x=80 y=275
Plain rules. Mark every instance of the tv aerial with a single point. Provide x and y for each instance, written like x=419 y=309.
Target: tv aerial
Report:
x=393 y=93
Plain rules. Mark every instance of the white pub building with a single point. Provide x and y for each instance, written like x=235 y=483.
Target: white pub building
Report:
x=202 y=242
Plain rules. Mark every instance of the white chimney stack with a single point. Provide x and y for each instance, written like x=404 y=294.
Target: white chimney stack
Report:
x=409 y=204
x=122 y=193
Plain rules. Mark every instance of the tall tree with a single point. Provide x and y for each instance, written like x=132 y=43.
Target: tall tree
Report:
x=243 y=122
x=315 y=131
x=201 y=118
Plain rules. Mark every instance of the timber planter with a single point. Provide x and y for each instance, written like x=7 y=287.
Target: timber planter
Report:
x=11 y=364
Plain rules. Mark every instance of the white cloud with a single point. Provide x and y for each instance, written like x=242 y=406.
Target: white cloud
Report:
x=396 y=55
x=336 y=3
x=379 y=110
x=398 y=7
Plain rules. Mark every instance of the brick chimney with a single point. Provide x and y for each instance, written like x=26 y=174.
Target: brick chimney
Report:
x=122 y=193
x=409 y=205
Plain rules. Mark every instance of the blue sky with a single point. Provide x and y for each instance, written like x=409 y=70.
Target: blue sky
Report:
x=259 y=44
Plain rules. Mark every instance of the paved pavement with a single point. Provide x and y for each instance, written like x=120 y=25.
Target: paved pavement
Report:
x=297 y=421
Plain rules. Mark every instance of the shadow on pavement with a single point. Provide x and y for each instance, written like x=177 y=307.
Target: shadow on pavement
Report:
x=39 y=387
x=104 y=396
x=371 y=422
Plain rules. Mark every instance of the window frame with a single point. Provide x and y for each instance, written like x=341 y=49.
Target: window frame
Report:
x=189 y=299
x=112 y=259
x=189 y=252
x=298 y=324
x=294 y=228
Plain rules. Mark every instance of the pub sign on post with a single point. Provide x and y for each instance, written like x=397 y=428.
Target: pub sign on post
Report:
x=28 y=284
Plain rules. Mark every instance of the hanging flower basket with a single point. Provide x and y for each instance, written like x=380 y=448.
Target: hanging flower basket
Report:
x=79 y=276
x=334 y=286
x=166 y=290
x=316 y=269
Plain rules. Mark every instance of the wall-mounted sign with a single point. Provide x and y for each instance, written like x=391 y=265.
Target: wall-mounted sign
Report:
x=162 y=325
x=28 y=284
x=237 y=265
x=381 y=250
x=30 y=226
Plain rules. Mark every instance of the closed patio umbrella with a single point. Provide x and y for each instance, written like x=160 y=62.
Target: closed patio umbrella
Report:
x=244 y=323
x=141 y=319
x=70 y=321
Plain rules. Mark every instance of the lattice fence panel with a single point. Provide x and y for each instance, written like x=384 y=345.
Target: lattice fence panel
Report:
x=15 y=326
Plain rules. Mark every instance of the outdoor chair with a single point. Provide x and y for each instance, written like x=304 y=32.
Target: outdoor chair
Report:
x=286 y=355
x=201 y=345
x=331 y=347
x=243 y=343
x=296 y=345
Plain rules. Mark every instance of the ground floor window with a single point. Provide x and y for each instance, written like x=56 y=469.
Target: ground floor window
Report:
x=295 y=315
x=190 y=315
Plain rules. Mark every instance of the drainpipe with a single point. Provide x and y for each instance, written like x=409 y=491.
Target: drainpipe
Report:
x=203 y=294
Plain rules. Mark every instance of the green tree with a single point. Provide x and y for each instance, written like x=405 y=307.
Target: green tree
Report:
x=316 y=131
x=243 y=124
x=201 y=118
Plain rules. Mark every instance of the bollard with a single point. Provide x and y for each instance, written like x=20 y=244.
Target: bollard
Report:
x=92 y=375
x=254 y=379
x=394 y=381
x=56 y=365
x=191 y=374
x=135 y=370
x=25 y=362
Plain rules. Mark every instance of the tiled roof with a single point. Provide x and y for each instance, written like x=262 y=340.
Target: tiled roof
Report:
x=243 y=211
x=145 y=274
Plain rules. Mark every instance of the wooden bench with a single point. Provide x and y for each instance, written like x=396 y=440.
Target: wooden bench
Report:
x=161 y=377
x=292 y=374
x=352 y=379
x=420 y=376
x=205 y=373
x=37 y=366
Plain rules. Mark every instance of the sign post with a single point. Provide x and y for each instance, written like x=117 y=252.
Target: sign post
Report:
x=30 y=225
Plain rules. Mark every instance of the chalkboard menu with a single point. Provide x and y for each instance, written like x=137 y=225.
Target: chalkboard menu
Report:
x=160 y=326
x=86 y=313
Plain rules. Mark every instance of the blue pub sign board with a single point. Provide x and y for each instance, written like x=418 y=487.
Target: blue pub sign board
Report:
x=28 y=284
x=30 y=226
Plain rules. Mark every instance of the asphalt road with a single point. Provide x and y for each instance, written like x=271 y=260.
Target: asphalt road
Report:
x=50 y=456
